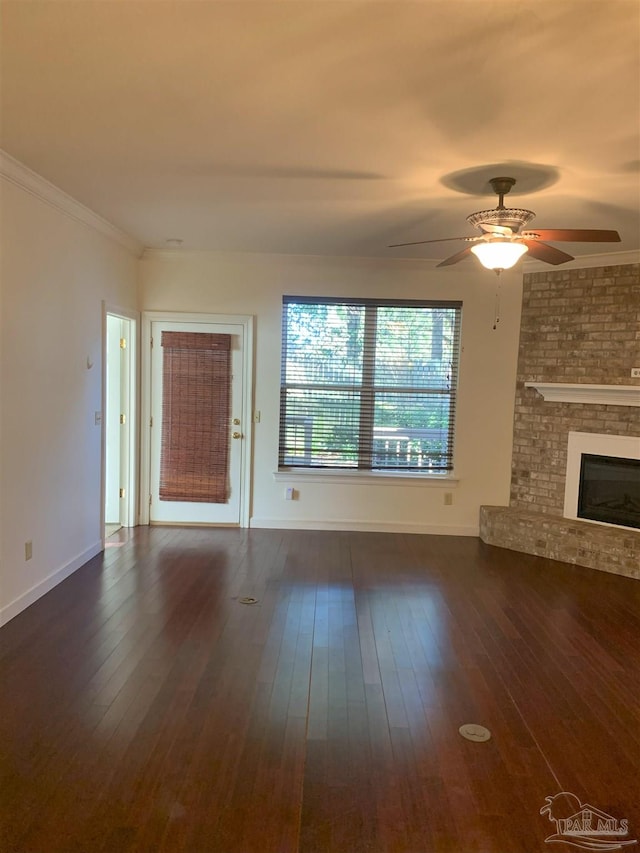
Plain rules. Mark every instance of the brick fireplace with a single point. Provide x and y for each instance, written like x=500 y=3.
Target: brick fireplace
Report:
x=580 y=327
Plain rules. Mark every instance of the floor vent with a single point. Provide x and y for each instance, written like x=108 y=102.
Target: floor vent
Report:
x=471 y=731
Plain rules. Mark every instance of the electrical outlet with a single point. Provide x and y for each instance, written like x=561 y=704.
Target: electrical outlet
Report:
x=635 y=372
x=448 y=498
x=289 y=494
x=28 y=550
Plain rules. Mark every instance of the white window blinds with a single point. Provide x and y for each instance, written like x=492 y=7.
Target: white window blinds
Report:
x=368 y=384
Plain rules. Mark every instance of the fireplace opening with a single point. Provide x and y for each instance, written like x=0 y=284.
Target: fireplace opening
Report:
x=609 y=490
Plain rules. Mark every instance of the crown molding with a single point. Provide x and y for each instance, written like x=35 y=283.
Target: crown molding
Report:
x=17 y=173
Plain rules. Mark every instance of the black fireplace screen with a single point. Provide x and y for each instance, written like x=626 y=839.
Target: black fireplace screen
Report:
x=610 y=490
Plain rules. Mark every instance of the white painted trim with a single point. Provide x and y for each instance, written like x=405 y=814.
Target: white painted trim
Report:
x=132 y=486
x=606 y=395
x=366 y=478
x=247 y=321
x=375 y=261
x=20 y=175
x=603 y=259
x=42 y=587
x=528 y=264
x=364 y=526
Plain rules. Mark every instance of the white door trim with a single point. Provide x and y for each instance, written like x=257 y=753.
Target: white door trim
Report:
x=131 y=486
x=247 y=322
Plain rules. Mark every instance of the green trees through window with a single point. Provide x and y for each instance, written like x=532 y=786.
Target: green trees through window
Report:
x=368 y=384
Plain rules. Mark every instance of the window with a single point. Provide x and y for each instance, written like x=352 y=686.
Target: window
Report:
x=368 y=384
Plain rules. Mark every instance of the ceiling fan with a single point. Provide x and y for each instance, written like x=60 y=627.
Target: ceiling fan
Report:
x=502 y=242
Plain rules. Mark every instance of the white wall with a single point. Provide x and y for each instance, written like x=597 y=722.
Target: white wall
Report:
x=255 y=284
x=55 y=272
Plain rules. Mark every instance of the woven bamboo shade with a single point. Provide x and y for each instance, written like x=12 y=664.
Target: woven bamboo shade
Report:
x=196 y=401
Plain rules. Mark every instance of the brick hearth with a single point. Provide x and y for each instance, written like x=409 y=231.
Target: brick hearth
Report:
x=596 y=546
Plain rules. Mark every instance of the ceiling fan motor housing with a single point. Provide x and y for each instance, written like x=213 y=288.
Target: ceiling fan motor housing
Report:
x=506 y=217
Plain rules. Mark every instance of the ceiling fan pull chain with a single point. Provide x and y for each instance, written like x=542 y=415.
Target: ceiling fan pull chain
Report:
x=496 y=313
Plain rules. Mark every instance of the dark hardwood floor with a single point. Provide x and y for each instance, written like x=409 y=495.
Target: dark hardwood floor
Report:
x=145 y=708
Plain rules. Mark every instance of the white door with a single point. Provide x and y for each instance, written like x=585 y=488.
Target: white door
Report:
x=174 y=511
x=119 y=420
x=113 y=421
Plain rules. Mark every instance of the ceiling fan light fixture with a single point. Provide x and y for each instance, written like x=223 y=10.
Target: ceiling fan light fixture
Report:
x=498 y=254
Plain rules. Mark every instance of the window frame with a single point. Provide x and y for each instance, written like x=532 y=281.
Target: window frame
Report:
x=368 y=390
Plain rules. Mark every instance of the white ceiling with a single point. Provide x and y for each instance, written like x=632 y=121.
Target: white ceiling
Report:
x=330 y=128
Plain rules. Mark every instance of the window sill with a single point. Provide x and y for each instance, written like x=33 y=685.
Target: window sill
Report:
x=384 y=478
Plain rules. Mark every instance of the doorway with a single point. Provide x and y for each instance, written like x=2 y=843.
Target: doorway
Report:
x=197 y=400
x=119 y=422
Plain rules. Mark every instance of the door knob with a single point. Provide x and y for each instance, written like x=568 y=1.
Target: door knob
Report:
x=237 y=435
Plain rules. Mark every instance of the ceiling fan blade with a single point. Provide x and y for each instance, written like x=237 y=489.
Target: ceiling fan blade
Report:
x=548 y=254
x=576 y=235
x=422 y=242
x=459 y=256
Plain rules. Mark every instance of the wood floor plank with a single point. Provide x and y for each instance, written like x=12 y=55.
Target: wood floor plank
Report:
x=145 y=709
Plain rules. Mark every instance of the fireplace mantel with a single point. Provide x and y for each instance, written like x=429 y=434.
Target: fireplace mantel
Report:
x=608 y=395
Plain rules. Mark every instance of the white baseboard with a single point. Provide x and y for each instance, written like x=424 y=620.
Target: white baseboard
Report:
x=42 y=587
x=365 y=526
